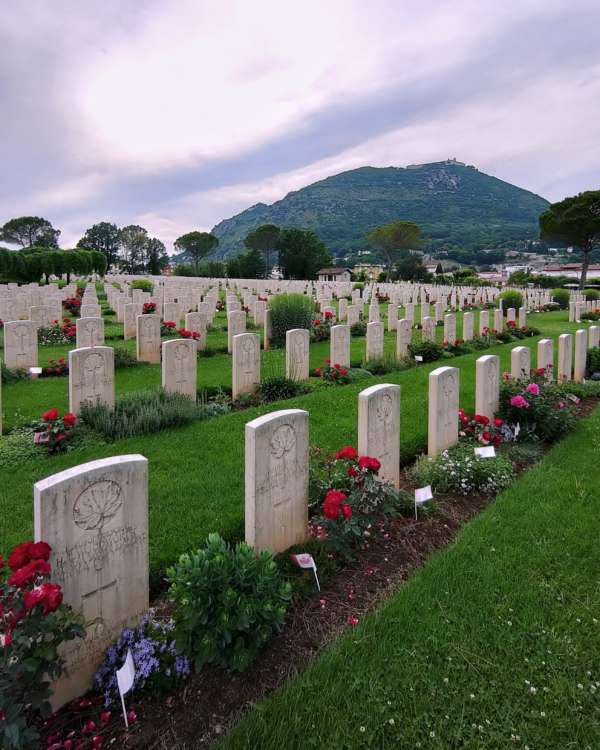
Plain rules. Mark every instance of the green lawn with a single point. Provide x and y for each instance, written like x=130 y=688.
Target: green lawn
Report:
x=197 y=472
x=494 y=643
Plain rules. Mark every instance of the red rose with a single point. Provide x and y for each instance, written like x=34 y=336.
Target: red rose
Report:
x=343 y=372
x=327 y=361
x=33 y=598
x=481 y=419
x=28 y=573
x=348 y=453
x=336 y=367
x=317 y=322
x=352 y=472
x=347 y=511
x=497 y=440
x=487 y=437
x=61 y=361
x=318 y=372
x=498 y=422
x=328 y=315
x=69 y=420
x=369 y=464
x=50 y=416
x=53 y=597
x=39 y=551
x=20 y=556
x=331 y=504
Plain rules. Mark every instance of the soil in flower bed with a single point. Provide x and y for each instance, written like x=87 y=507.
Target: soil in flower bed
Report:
x=210 y=703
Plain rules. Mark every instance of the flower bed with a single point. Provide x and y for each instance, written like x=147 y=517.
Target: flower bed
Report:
x=55 y=369
x=333 y=373
x=57 y=333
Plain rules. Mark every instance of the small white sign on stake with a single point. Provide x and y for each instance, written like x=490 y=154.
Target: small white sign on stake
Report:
x=422 y=495
x=307 y=562
x=125 y=678
x=418 y=358
x=486 y=451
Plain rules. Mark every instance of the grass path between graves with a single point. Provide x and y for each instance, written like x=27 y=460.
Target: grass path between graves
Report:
x=196 y=473
x=494 y=643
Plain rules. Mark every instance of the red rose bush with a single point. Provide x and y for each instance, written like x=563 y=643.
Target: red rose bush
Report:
x=348 y=498
x=33 y=624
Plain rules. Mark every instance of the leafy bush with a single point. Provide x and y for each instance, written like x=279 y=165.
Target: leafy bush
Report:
x=459 y=471
x=17 y=446
x=593 y=360
x=350 y=499
x=561 y=297
x=54 y=432
x=541 y=410
x=511 y=298
x=592 y=315
x=289 y=311
x=124 y=358
x=358 y=329
x=333 y=373
x=144 y=284
x=158 y=665
x=591 y=294
x=57 y=333
x=228 y=603
x=429 y=350
x=34 y=624
x=385 y=364
x=278 y=388
x=145 y=412
x=13 y=376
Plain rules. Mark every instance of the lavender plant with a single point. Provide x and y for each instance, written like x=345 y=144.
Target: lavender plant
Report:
x=158 y=664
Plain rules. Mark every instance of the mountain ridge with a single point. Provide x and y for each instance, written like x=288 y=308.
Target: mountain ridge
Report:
x=456 y=206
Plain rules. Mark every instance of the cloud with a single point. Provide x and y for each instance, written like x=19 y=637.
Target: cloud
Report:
x=178 y=115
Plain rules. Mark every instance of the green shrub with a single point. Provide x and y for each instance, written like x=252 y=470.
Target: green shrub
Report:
x=429 y=350
x=143 y=284
x=591 y=294
x=228 y=603
x=459 y=471
x=593 y=360
x=511 y=298
x=289 y=311
x=18 y=446
x=387 y=363
x=13 y=376
x=358 y=329
x=278 y=388
x=542 y=410
x=146 y=412
x=590 y=315
x=358 y=285
x=124 y=358
x=561 y=297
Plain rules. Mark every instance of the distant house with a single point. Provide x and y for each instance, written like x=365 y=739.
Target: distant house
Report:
x=568 y=269
x=371 y=270
x=334 y=274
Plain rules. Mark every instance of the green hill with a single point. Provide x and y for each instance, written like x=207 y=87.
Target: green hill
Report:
x=455 y=205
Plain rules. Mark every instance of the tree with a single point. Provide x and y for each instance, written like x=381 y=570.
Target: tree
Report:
x=133 y=240
x=574 y=221
x=28 y=231
x=104 y=238
x=391 y=240
x=157 y=257
x=439 y=270
x=251 y=265
x=410 y=268
x=264 y=239
x=195 y=246
x=301 y=254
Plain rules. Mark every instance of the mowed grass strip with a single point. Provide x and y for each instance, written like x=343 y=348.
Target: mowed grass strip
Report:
x=196 y=473
x=495 y=643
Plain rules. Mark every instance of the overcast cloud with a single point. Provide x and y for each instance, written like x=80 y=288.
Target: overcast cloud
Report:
x=179 y=114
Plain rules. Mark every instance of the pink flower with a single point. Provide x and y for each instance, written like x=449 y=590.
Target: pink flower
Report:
x=353 y=620
x=519 y=402
x=533 y=388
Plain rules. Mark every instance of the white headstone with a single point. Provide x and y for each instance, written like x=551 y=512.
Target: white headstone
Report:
x=147 y=343
x=545 y=357
x=520 y=362
x=580 y=355
x=487 y=385
x=443 y=409
x=340 y=345
x=403 y=337
x=379 y=428
x=246 y=364
x=91 y=377
x=297 y=342
x=236 y=324
x=180 y=367
x=95 y=518
x=20 y=344
x=565 y=357
x=89 y=332
x=374 y=340
x=276 y=503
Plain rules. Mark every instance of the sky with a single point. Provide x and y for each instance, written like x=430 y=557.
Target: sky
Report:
x=176 y=115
